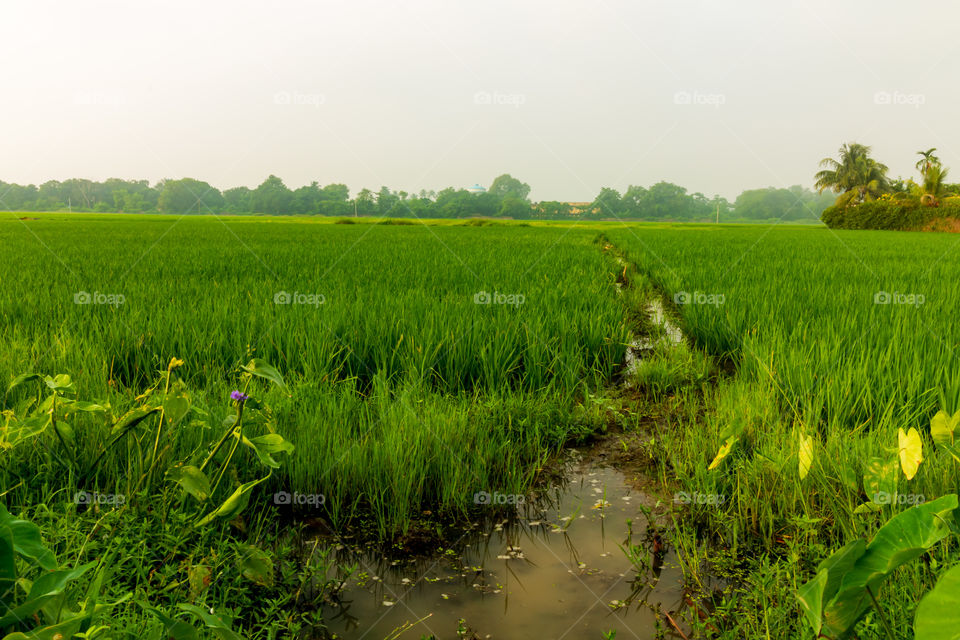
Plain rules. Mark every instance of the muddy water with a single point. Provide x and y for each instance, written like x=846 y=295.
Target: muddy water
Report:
x=553 y=569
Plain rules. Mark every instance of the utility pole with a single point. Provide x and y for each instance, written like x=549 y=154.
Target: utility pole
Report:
x=718 y=213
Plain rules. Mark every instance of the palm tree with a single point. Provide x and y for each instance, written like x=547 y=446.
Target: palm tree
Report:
x=933 y=185
x=856 y=176
x=927 y=161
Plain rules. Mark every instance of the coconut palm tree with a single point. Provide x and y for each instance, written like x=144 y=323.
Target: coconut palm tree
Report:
x=933 y=185
x=927 y=160
x=856 y=176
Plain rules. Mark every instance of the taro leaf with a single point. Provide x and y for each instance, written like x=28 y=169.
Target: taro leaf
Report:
x=722 y=453
x=905 y=537
x=805 y=455
x=824 y=586
x=44 y=589
x=938 y=614
x=214 y=622
x=193 y=480
x=943 y=427
x=255 y=565
x=27 y=542
x=8 y=565
x=880 y=478
x=810 y=596
x=233 y=505
x=262 y=369
x=267 y=444
x=911 y=451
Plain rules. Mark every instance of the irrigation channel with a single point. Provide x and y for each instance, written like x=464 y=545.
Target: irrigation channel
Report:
x=556 y=568
x=581 y=558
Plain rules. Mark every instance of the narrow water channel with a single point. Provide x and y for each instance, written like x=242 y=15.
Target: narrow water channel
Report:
x=555 y=569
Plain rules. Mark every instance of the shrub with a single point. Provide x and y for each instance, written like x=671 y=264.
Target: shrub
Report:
x=888 y=214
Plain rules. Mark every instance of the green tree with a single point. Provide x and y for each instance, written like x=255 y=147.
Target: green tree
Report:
x=189 y=196
x=238 y=200
x=855 y=176
x=506 y=186
x=927 y=160
x=516 y=208
x=271 y=197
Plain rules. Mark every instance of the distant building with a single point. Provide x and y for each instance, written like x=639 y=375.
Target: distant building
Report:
x=477 y=189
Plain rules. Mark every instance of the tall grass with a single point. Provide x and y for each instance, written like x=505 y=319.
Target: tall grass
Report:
x=406 y=390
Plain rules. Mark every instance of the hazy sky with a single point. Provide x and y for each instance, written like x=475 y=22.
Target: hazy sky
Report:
x=567 y=96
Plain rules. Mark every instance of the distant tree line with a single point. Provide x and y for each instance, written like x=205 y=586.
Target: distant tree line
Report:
x=507 y=197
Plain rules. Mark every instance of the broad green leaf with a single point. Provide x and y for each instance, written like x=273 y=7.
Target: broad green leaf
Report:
x=938 y=614
x=943 y=427
x=805 y=455
x=27 y=541
x=811 y=598
x=8 y=566
x=175 y=406
x=267 y=444
x=215 y=623
x=255 y=565
x=233 y=505
x=60 y=383
x=193 y=480
x=905 y=537
x=14 y=432
x=262 y=369
x=824 y=586
x=45 y=588
x=911 y=451
x=722 y=453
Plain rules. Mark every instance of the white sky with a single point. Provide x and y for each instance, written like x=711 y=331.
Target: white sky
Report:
x=567 y=96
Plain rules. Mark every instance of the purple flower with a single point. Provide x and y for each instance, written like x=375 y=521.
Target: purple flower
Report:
x=239 y=396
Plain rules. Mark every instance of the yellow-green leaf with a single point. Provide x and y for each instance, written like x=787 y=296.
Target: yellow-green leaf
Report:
x=806 y=455
x=941 y=429
x=722 y=453
x=911 y=451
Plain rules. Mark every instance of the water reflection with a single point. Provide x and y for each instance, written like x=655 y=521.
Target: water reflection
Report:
x=578 y=561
